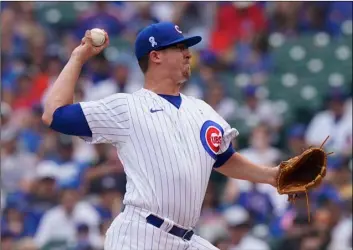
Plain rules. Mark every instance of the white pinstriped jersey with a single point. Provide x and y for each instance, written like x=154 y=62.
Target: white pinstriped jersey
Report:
x=167 y=153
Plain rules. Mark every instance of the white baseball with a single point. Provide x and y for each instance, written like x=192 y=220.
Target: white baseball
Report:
x=98 y=37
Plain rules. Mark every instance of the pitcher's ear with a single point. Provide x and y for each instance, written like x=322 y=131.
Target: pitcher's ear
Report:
x=155 y=56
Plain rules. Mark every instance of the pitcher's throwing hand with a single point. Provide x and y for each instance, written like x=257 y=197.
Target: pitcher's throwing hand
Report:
x=87 y=49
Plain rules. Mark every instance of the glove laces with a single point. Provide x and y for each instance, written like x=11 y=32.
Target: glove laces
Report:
x=291 y=198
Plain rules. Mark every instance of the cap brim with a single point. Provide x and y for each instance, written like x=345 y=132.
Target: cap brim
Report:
x=188 y=41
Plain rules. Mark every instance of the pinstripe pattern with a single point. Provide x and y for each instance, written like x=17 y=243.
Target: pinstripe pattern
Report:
x=166 y=164
x=129 y=231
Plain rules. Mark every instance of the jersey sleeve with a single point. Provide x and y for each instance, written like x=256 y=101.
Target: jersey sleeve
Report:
x=228 y=133
x=108 y=119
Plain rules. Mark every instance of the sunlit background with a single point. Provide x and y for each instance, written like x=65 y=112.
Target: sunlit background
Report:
x=279 y=72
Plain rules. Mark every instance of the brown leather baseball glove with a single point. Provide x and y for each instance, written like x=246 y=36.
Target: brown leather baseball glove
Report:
x=303 y=172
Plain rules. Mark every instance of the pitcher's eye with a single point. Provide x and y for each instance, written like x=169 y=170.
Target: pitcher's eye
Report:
x=181 y=47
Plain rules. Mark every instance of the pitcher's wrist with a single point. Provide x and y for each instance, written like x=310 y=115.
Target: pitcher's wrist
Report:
x=77 y=59
x=271 y=175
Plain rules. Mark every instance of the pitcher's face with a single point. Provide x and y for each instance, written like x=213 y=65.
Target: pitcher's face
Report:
x=177 y=60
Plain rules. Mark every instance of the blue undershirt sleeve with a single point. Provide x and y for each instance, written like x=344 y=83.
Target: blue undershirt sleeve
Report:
x=224 y=157
x=70 y=120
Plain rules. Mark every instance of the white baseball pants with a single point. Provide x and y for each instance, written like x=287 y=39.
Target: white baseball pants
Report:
x=130 y=231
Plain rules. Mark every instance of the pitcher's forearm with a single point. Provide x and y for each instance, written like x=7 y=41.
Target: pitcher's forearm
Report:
x=62 y=91
x=241 y=168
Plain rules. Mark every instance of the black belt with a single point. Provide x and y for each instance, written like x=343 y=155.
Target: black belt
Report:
x=177 y=231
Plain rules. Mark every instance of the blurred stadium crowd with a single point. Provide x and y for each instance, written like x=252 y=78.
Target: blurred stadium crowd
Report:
x=280 y=72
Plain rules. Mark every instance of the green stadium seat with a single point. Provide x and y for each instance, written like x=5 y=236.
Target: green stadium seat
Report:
x=317 y=66
x=296 y=53
x=57 y=14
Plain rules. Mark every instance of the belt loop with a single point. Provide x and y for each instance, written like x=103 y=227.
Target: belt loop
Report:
x=188 y=234
x=167 y=225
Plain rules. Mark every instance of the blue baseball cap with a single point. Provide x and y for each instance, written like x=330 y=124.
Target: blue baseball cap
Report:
x=159 y=36
x=250 y=90
x=297 y=131
x=337 y=94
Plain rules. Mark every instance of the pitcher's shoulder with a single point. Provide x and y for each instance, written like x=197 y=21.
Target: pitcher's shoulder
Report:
x=196 y=101
x=117 y=96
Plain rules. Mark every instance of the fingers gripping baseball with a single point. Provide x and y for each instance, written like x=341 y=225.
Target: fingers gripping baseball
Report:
x=89 y=48
x=86 y=38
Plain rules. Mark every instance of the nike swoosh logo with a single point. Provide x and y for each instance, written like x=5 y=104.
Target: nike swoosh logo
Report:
x=155 y=110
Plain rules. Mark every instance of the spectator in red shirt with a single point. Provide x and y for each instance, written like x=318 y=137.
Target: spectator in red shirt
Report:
x=236 y=21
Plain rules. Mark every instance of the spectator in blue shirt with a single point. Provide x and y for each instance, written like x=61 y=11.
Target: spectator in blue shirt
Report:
x=103 y=15
x=257 y=203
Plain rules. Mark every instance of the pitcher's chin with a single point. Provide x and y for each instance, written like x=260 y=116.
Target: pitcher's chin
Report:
x=187 y=72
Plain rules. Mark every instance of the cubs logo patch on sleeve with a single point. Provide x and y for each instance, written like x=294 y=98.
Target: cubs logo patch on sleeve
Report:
x=211 y=137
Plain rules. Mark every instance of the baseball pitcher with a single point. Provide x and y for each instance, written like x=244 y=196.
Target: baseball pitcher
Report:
x=168 y=142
